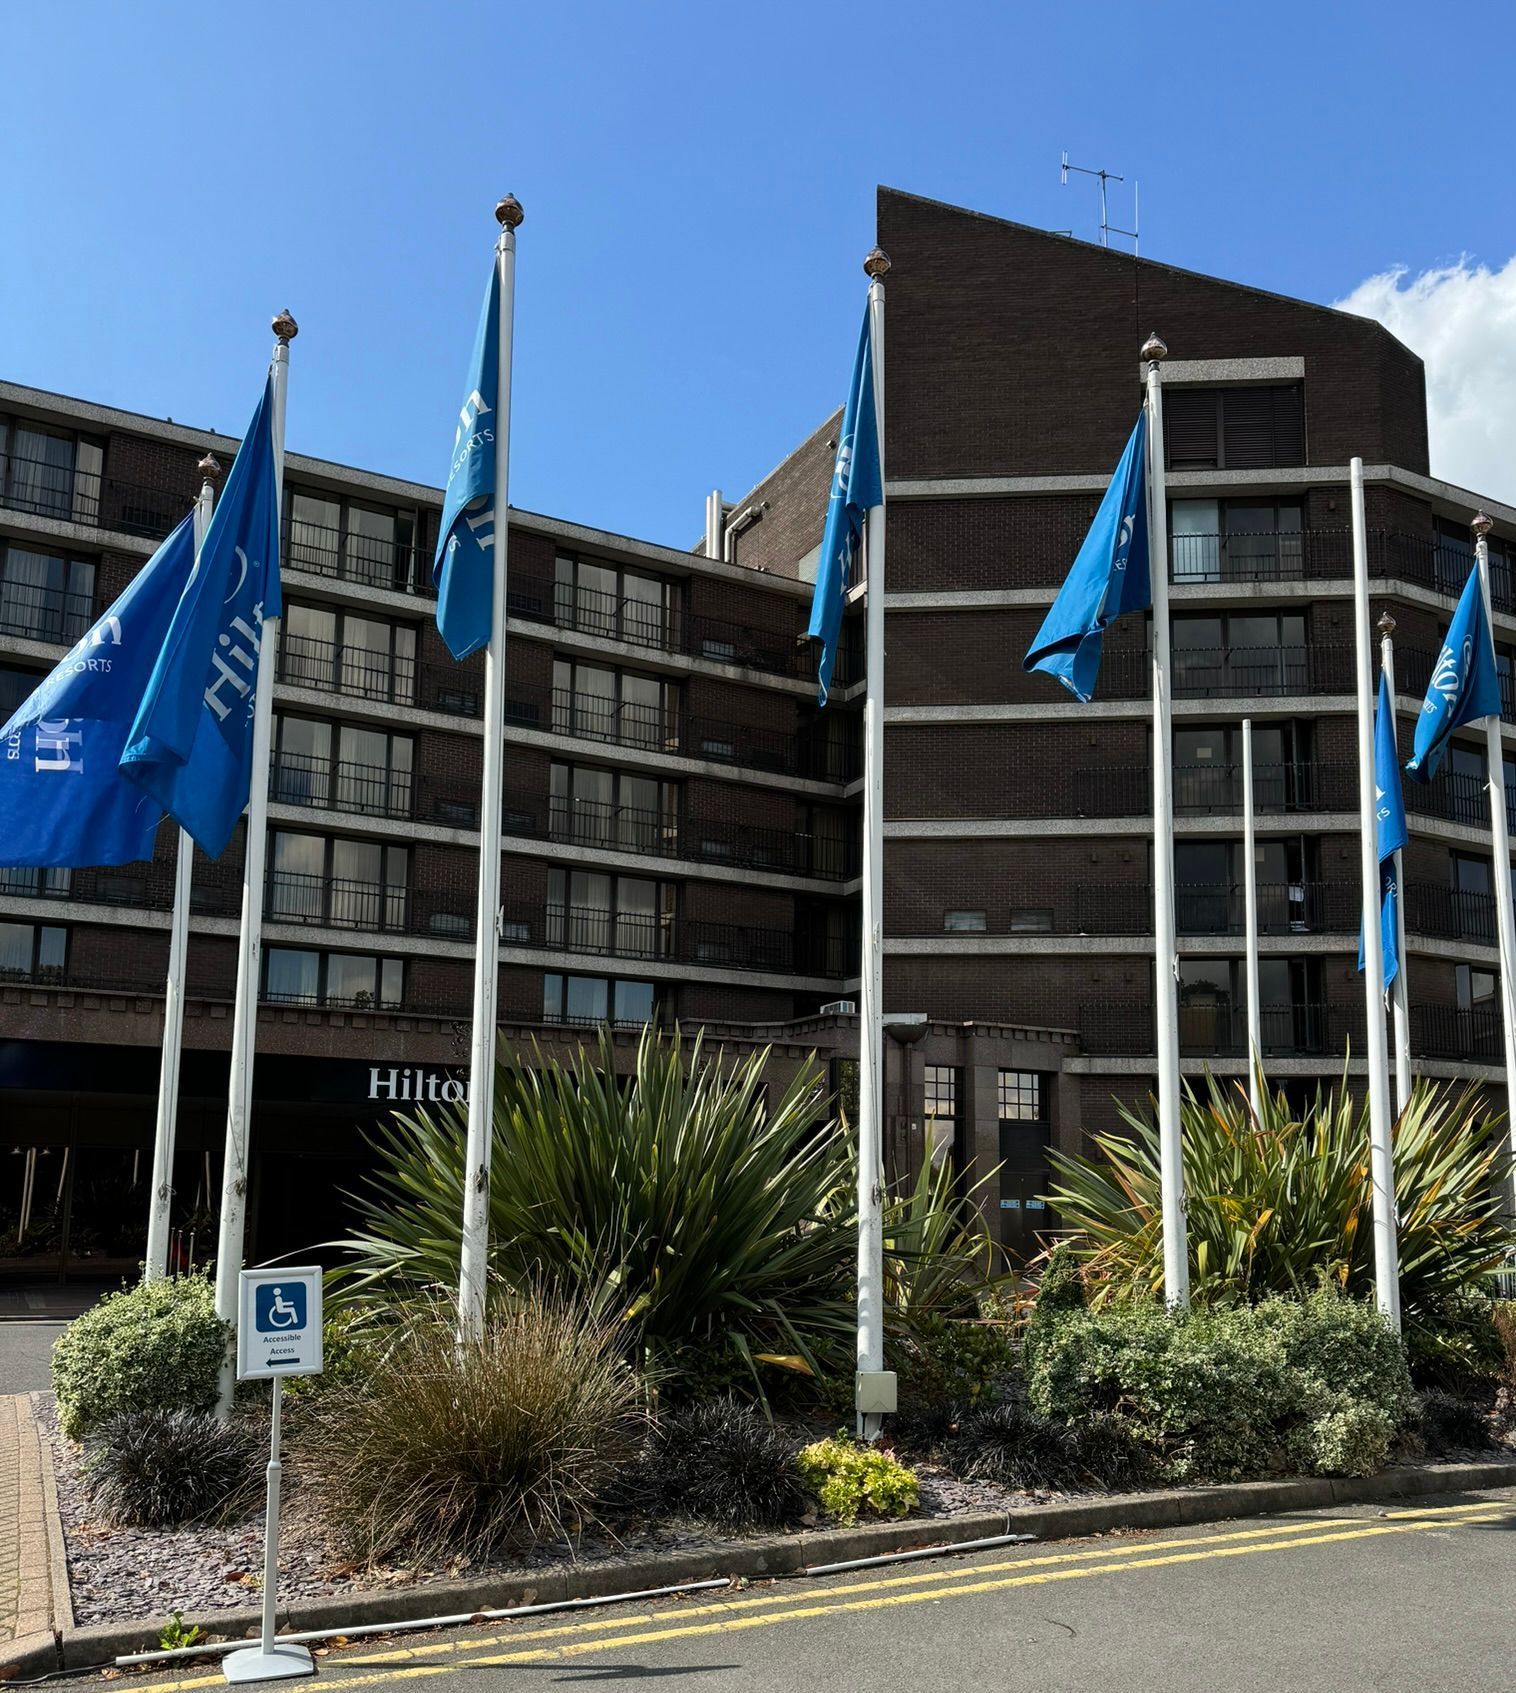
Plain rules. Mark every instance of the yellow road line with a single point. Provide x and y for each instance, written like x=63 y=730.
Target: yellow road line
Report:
x=526 y=1632
x=733 y=1618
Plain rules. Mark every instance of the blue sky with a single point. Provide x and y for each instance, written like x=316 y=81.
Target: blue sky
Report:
x=698 y=183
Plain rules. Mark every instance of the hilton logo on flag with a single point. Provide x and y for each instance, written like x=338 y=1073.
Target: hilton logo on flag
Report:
x=843 y=475
x=1447 y=678
x=235 y=645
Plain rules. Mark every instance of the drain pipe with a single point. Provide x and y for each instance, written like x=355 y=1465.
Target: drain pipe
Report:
x=739 y=524
x=715 y=523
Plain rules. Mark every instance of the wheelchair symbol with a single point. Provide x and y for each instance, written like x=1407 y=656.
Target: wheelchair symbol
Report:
x=273 y=1312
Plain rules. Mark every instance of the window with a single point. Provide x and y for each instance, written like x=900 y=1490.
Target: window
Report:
x=591 y=911
x=372 y=771
x=360 y=543
x=1233 y=428
x=1210 y=886
x=1207 y=768
x=1241 y=653
x=344 y=653
x=624 y=605
x=1021 y=1097
x=1236 y=540
x=596 y=999
x=1031 y=920
x=16 y=686
x=41 y=884
x=342 y=883
x=360 y=981
x=939 y=1108
x=830 y=834
x=613 y=808
x=1213 y=1005
x=49 y=474
x=963 y=923
x=601 y=704
x=33 y=952
x=45 y=596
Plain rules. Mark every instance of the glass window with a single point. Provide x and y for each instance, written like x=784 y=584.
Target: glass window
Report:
x=296 y=873
x=293 y=978
x=602 y=704
x=624 y=605
x=32 y=952
x=17 y=686
x=586 y=999
x=1020 y=1095
x=963 y=922
x=1195 y=545
x=303 y=761
x=634 y=1002
x=307 y=649
x=315 y=532
x=45 y=596
x=1031 y=920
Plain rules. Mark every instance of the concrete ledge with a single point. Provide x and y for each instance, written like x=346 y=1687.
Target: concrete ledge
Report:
x=790 y=1554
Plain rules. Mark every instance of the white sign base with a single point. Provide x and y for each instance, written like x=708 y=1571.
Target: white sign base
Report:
x=255 y=1663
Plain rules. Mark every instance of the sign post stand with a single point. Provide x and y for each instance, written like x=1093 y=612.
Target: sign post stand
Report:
x=278 y=1335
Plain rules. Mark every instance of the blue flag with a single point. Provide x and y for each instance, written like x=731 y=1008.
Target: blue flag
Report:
x=63 y=801
x=1108 y=579
x=857 y=484
x=191 y=746
x=464 y=568
x=1465 y=685
x=1389 y=813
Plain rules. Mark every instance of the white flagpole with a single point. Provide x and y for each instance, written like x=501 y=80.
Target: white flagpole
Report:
x=239 y=1098
x=156 y=1261
x=1500 y=845
x=473 y=1267
x=1176 y=1265
x=1400 y=988
x=871 y=990
x=1381 y=1159
x=1250 y=922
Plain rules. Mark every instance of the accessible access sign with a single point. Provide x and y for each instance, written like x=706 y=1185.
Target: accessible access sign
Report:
x=279 y=1327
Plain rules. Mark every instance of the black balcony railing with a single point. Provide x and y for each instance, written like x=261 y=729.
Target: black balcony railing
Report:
x=305 y=662
x=38 y=613
x=399 y=566
x=1446 y=1031
x=669 y=628
x=1216 y=1029
x=335 y=902
x=135 y=508
x=1455 y=796
x=1219 y=672
x=1261 y=555
x=43 y=489
x=1200 y=790
x=1284 y=908
x=1454 y=914
x=340 y=785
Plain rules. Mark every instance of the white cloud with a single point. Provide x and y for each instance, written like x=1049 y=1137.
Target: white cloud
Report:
x=1461 y=320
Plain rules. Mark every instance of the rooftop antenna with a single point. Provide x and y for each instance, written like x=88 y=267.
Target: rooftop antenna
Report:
x=1107 y=228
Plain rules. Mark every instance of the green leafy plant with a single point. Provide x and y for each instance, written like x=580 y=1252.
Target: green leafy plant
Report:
x=158 y=1468
x=449 y=1448
x=715 y=1222
x=175 y=1637
x=156 y=1346
x=1224 y=1393
x=1277 y=1203
x=847 y=1478
x=724 y=1463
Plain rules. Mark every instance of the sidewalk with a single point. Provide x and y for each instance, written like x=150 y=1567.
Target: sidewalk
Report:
x=28 y=1546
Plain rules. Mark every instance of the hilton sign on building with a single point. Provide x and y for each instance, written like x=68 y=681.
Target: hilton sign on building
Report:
x=681 y=821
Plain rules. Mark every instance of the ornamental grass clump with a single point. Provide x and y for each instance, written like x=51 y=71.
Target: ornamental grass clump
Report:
x=455 y=1449
x=156 y=1346
x=1280 y=1202
x=161 y=1469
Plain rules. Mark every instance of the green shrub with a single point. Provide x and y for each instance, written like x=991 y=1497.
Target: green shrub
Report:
x=1461 y=1350
x=1276 y=1204
x=455 y=1450
x=158 y=1469
x=1226 y=1393
x=847 y=1478
x=156 y=1346
x=1061 y=1285
x=723 y=1462
x=947 y=1365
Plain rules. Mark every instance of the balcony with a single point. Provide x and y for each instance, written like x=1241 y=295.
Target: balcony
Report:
x=644 y=936
x=670 y=629
x=354 y=671
x=371 y=790
x=36 y=613
x=1233 y=672
x=1461 y=1032
x=1203 y=790
x=1218 y=1030
x=1452 y=914
x=399 y=567
x=334 y=902
x=1284 y=908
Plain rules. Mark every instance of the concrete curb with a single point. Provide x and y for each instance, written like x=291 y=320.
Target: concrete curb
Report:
x=784 y=1555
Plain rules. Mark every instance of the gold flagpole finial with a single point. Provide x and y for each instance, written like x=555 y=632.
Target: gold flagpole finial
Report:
x=284 y=327
x=508 y=212
x=877 y=265
x=1153 y=349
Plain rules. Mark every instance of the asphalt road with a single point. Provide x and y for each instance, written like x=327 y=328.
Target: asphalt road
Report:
x=1404 y=1599
x=26 y=1348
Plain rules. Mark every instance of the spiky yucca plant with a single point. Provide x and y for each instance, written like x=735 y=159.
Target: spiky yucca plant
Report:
x=1278 y=1203
x=706 y=1215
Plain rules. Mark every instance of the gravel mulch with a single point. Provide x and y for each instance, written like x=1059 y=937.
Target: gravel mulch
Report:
x=118 y=1574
